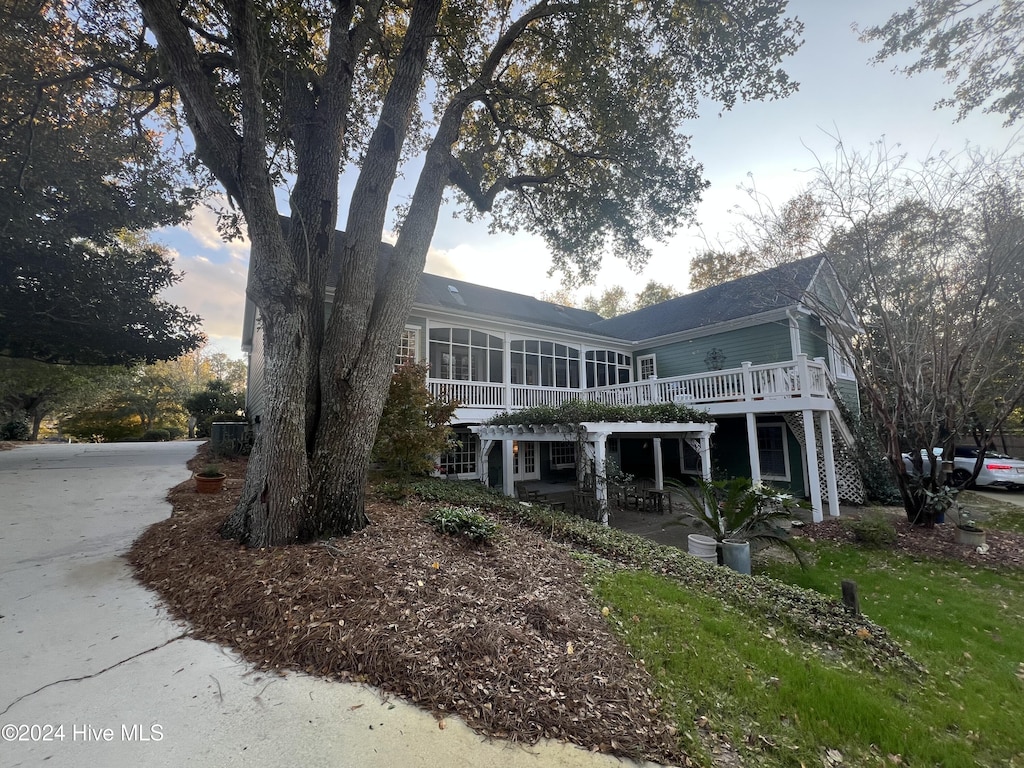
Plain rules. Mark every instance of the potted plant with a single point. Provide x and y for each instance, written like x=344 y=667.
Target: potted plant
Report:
x=737 y=512
x=967 y=531
x=210 y=480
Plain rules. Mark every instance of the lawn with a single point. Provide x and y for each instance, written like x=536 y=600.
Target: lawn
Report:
x=784 y=701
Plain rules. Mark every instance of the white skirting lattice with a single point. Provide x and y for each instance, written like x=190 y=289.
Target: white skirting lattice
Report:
x=848 y=482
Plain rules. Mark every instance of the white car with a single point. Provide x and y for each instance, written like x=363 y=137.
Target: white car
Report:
x=997 y=469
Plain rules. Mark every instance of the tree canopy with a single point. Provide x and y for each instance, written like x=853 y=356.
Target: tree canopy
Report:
x=80 y=179
x=975 y=43
x=561 y=118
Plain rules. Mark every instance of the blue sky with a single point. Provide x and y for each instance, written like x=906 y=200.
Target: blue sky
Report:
x=768 y=144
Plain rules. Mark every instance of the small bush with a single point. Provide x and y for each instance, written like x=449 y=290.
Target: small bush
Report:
x=15 y=430
x=464 y=521
x=875 y=531
x=156 y=436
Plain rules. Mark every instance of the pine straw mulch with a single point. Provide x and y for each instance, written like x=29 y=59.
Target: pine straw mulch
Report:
x=505 y=637
x=1005 y=548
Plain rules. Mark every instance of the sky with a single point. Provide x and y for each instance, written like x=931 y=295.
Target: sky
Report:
x=770 y=145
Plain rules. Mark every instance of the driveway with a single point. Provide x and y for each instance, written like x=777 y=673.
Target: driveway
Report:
x=93 y=673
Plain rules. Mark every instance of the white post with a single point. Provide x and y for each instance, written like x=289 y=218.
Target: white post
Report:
x=508 y=483
x=755 y=455
x=483 y=450
x=600 y=481
x=748 y=382
x=803 y=375
x=811 y=449
x=507 y=371
x=831 y=485
x=659 y=471
x=705 y=456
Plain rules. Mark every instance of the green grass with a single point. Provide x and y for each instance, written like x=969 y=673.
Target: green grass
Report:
x=778 y=668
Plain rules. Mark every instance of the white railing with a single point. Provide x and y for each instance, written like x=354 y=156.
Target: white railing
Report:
x=795 y=378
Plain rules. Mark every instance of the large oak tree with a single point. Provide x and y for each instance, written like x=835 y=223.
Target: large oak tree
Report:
x=564 y=119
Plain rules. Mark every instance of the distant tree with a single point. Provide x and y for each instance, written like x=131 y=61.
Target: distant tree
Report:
x=714 y=267
x=613 y=301
x=654 y=293
x=37 y=392
x=976 y=43
x=80 y=180
x=218 y=398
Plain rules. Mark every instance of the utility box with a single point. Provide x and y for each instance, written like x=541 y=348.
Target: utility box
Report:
x=227 y=437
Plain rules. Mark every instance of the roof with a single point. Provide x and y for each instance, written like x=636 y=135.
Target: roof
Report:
x=777 y=288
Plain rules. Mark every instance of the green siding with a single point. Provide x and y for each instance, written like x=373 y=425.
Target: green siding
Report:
x=767 y=343
x=851 y=396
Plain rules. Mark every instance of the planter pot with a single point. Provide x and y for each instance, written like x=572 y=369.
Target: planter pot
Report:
x=736 y=555
x=970 y=536
x=704 y=547
x=207 y=484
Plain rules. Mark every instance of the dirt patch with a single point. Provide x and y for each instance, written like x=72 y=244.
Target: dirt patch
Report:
x=506 y=637
x=1004 y=549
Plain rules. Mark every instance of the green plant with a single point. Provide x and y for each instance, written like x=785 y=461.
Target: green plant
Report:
x=156 y=436
x=464 y=521
x=211 y=470
x=415 y=426
x=738 y=509
x=874 y=530
x=15 y=430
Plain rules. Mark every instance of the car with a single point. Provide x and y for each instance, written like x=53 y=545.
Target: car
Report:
x=997 y=469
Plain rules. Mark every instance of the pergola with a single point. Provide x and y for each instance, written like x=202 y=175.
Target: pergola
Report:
x=593 y=436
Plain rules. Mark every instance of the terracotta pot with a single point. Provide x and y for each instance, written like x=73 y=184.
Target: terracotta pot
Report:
x=207 y=484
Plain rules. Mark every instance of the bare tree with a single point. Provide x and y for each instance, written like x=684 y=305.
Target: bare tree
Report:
x=925 y=303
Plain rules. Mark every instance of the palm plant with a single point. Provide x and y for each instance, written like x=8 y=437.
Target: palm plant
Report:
x=738 y=509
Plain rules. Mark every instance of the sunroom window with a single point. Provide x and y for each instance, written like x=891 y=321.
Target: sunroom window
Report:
x=545 y=364
x=463 y=354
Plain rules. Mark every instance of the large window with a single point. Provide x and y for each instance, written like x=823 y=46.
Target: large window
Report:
x=545 y=364
x=407 y=345
x=463 y=354
x=461 y=460
x=563 y=455
x=771 y=451
x=606 y=367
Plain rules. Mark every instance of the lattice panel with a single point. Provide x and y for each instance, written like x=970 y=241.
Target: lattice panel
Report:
x=848 y=482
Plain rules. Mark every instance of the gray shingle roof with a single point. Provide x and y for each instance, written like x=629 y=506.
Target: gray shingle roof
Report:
x=776 y=288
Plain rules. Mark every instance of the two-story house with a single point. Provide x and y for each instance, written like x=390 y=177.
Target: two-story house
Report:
x=751 y=352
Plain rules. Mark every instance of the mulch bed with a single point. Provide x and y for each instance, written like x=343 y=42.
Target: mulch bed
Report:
x=1005 y=549
x=506 y=637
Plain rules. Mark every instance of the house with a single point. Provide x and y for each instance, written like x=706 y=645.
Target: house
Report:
x=753 y=353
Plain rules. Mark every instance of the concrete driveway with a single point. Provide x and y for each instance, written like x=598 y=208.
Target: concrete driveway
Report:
x=93 y=673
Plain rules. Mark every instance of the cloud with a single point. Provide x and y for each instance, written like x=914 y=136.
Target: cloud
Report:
x=215 y=292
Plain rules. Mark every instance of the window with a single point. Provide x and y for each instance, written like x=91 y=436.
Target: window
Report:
x=524 y=460
x=841 y=367
x=692 y=464
x=462 y=354
x=545 y=364
x=563 y=455
x=606 y=367
x=462 y=459
x=646 y=367
x=407 y=347
x=772 y=451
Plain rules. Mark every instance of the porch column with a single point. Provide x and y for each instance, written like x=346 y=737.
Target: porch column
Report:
x=811 y=449
x=483 y=450
x=600 y=481
x=705 y=456
x=508 y=483
x=755 y=455
x=831 y=486
x=659 y=470
x=506 y=372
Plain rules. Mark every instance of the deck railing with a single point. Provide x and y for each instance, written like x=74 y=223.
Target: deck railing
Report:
x=794 y=378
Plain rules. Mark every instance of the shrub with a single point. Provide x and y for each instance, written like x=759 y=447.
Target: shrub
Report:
x=464 y=521
x=156 y=436
x=15 y=430
x=875 y=531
